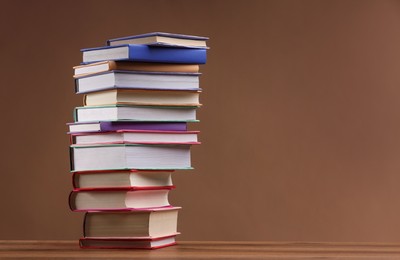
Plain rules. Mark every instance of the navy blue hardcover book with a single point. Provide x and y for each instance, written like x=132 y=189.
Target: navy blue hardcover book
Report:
x=145 y=53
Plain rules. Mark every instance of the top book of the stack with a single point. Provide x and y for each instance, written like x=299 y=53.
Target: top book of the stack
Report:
x=152 y=47
x=162 y=39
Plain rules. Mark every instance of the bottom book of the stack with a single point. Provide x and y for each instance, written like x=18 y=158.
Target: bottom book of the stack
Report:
x=150 y=228
x=127 y=243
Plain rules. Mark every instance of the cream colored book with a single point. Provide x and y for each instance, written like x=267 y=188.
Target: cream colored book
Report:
x=142 y=97
x=162 y=39
x=97 y=67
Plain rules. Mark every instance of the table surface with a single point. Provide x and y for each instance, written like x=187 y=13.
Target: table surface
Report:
x=61 y=249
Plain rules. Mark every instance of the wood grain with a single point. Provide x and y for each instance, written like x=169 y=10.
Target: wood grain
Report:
x=36 y=249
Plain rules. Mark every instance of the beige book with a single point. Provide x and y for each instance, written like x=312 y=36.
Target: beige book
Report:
x=142 y=97
x=97 y=67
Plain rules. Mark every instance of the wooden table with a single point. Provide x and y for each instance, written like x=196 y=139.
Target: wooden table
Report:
x=35 y=249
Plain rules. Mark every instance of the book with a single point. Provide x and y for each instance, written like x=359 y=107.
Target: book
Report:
x=130 y=156
x=144 y=53
x=151 y=223
x=103 y=66
x=135 y=113
x=127 y=243
x=121 y=79
x=109 y=126
x=142 y=97
x=136 y=137
x=121 y=179
x=163 y=39
x=118 y=199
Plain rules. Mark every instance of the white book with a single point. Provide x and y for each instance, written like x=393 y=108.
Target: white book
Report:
x=130 y=156
x=135 y=113
x=121 y=179
x=89 y=200
x=134 y=136
x=137 y=80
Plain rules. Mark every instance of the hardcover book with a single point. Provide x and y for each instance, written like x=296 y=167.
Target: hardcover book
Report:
x=163 y=39
x=129 y=179
x=151 y=223
x=136 y=137
x=130 y=156
x=127 y=243
x=109 y=126
x=118 y=199
x=135 y=113
x=119 y=79
x=103 y=66
x=144 y=53
x=142 y=97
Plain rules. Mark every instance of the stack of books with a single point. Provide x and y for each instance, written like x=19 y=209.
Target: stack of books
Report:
x=130 y=135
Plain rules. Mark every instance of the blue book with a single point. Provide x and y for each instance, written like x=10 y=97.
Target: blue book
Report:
x=145 y=53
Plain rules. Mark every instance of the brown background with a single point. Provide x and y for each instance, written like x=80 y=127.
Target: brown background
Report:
x=300 y=124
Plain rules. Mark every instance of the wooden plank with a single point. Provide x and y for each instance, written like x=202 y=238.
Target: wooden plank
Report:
x=36 y=249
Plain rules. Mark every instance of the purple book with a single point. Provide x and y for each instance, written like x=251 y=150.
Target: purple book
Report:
x=108 y=126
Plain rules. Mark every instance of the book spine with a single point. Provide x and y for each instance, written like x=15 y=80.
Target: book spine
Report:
x=71 y=158
x=71 y=200
x=112 y=65
x=75 y=184
x=75 y=114
x=84 y=224
x=76 y=83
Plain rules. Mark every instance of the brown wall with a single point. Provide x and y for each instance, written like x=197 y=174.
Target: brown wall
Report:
x=300 y=124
